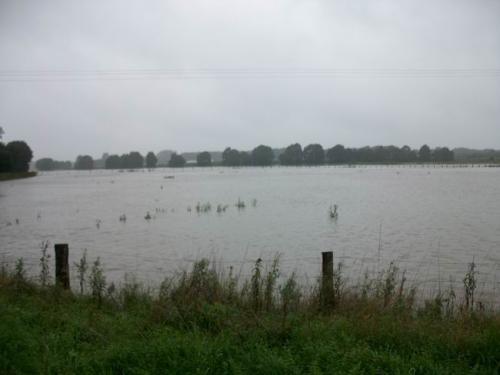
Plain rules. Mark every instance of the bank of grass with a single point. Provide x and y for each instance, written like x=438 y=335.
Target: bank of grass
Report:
x=16 y=175
x=203 y=322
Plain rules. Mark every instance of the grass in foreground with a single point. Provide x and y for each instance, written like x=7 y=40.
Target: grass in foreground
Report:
x=203 y=323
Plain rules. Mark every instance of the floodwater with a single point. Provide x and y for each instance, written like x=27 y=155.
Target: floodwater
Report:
x=430 y=221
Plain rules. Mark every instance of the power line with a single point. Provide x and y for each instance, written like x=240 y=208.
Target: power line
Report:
x=240 y=73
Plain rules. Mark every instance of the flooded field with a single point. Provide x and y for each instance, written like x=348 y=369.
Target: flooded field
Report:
x=430 y=221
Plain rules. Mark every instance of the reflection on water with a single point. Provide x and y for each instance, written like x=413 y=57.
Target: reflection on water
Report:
x=431 y=221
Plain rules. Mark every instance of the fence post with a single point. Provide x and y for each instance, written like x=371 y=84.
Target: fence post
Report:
x=62 y=265
x=326 y=292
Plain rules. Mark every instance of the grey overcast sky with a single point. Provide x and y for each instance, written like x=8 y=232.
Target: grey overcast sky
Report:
x=113 y=76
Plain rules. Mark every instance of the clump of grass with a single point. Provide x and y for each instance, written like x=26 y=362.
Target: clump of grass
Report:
x=240 y=204
x=470 y=285
x=44 y=264
x=81 y=271
x=270 y=283
x=97 y=280
x=256 y=286
x=20 y=272
x=222 y=208
x=203 y=208
x=333 y=212
x=290 y=295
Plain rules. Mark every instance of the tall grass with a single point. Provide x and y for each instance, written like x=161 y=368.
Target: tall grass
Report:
x=209 y=320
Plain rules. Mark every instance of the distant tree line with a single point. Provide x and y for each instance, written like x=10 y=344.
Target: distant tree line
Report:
x=48 y=164
x=15 y=156
x=315 y=154
x=262 y=155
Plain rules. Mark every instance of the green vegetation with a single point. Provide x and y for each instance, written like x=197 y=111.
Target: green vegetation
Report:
x=15 y=158
x=84 y=162
x=48 y=164
x=205 y=322
x=204 y=159
x=15 y=176
x=151 y=160
x=292 y=155
x=176 y=161
x=262 y=155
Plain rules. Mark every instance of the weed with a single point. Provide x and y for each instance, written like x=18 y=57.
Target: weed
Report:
x=44 y=264
x=256 y=286
x=81 y=271
x=270 y=283
x=97 y=280
x=470 y=285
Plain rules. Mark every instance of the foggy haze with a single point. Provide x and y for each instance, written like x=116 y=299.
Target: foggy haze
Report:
x=93 y=77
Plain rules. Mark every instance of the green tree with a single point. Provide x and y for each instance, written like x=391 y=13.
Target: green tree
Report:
x=314 y=154
x=176 y=161
x=336 y=155
x=45 y=164
x=231 y=157
x=113 y=162
x=151 y=160
x=84 y=162
x=262 y=155
x=424 y=154
x=5 y=159
x=204 y=159
x=245 y=158
x=21 y=155
x=407 y=155
x=292 y=155
x=124 y=161
x=136 y=160
x=443 y=155
x=1 y=132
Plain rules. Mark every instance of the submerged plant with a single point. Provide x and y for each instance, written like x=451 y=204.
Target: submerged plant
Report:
x=333 y=212
x=240 y=204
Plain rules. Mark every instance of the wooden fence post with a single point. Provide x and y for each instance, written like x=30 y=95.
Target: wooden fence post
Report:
x=62 y=265
x=326 y=293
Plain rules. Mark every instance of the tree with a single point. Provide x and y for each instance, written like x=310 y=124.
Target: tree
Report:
x=262 y=155
x=45 y=164
x=176 y=161
x=136 y=160
x=5 y=159
x=85 y=162
x=424 y=154
x=231 y=157
x=21 y=155
x=1 y=132
x=124 y=161
x=407 y=155
x=151 y=160
x=336 y=155
x=292 y=155
x=245 y=158
x=443 y=155
x=113 y=162
x=204 y=159
x=314 y=154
